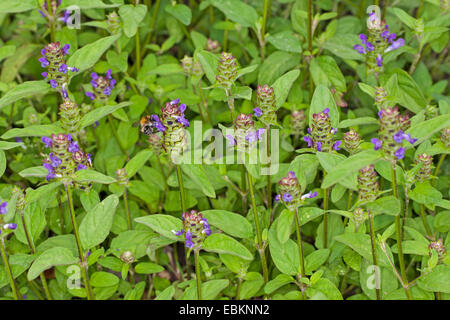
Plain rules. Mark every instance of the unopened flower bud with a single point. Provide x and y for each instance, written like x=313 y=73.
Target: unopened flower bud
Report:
x=195 y=229
x=127 y=257
x=352 y=141
x=20 y=198
x=321 y=133
x=213 y=45
x=368 y=188
x=445 y=137
x=113 y=22
x=439 y=247
x=426 y=169
x=70 y=116
x=298 y=122
x=359 y=216
x=226 y=71
x=266 y=108
x=431 y=111
x=122 y=177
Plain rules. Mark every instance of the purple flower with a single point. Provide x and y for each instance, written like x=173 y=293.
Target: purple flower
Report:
x=379 y=60
x=326 y=110
x=277 y=198
x=64 y=92
x=44 y=74
x=112 y=83
x=400 y=42
x=94 y=84
x=44 y=62
x=319 y=146
x=376 y=143
x=259 y=133
x=309 y=195
x=385 y=34
x=182 y=108
x=158 y=123
x=251 y=137
x=73 y=147
x=63 y=68
x=400 y=136
x=94 y=76
x=334 y=130
x=3 y=208
x=96 y=124
x=287 y=197
x=369 y=46
x=231 y=140
x=50 y=176
x=178 y=233
x=359 y=48
x=48 y=166
x=291 y=174
x=258 y=112
x=90 y=95
x=336 y=145
x=53 y=83
x=175 y=101
x=400 y=153
x=183 y=121
x=392 y=37
x=189 y=244
x=363 y=38
x=81 y=167
x=42 y=13
x=55 y=161
x=108 y=74
x=69 y=137
x=308 y=140
x=65 y=49
x=10 y=226
x=47 y=141
x=66 y=17
x=74 y=69
x=107 y=91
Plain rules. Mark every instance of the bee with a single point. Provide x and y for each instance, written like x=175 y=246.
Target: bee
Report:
x=148 y=125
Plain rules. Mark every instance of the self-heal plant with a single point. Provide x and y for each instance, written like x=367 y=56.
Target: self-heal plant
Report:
x=53 y=59
x=101 y=86
x=245 y=136
x=320 y=135
x=379 y=42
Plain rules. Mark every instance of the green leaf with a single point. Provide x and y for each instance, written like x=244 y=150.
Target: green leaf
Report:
x=279 y=281
x=327 y=287
x=148 y=268
x=389 y=205
x=406 y=91
x=233 y=224
x=162 y=224
x=315 y=259
x=33 y=131
x=425 y=129
x=131 y=17
x=424 y=193
x=284 y=255
x=137 y=162
x=438 y=280
x=322 y=99
x=41 y=192
x=325 y=70
x=362 y=245
x=2 y=162
x=212 y=288
x=284 y=225
x=87 y=4
x=34 y=216
x=209 y=62
x=166 y=294
x=39 y=172
x=275 y=65
x=250 y=287
x=282 y=86
x=199 y=177
x=90 y=175
x=99 y=113
x=97 y=223
x=405 y=18
x=237 y=11
x=181 y=12
x=442 y=221
x=350 y=166
x=103 y=279
x=221 y=243
x=357 y=122
x=7 y=51
x=24 y=90
x=56 y=256
x=15 y=6
x=87 y=56
x=285 y=41
x=6 y=145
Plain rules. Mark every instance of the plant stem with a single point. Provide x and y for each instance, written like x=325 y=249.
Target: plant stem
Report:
x=441 y=161
x=244 y=189
x=230 y=100
x=180 y=183
x=349 y=205
x=399 y=232
x=310 y=35
x=269 y=183
x=325 y=215
x=300 y=249
x=51 y=20
x=424 y=221
x=258 y=229
x=61 y=213
x=374 y=255
x=87 y=285
x=33 y=251
x=116 y=136
x=197 y=272
x=152 y=27
x=238 y=290
x=12 y=283
x=127 y=209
